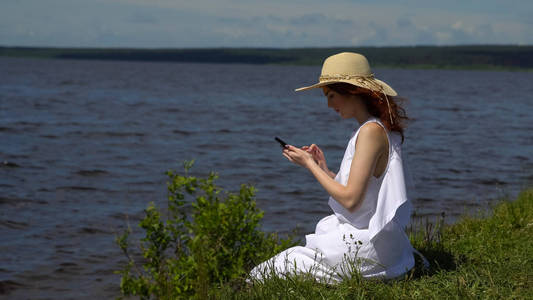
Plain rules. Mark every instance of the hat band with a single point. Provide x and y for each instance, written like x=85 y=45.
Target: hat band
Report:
x=359 y=78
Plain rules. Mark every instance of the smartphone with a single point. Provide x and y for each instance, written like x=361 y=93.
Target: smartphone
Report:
x=281 y=142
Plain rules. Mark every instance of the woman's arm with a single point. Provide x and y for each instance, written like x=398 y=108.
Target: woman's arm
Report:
x=370 y=145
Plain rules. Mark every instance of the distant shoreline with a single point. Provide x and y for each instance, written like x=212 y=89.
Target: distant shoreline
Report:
x=479 y=57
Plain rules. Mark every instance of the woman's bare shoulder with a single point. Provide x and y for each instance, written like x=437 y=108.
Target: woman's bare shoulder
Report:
x=373 y=132
x=372 y=128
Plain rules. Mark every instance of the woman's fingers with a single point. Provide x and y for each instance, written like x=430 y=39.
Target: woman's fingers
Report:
x=288 y=157
x=314 y=151
x=291 y=148
x=296 y=155
x=316 y=148
x=287 y=153
x=308 y=148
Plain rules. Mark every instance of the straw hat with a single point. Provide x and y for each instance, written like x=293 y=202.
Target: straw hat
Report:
x=350 y=68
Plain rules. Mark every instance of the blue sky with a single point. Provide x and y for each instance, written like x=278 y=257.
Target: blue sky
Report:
x=274 y=23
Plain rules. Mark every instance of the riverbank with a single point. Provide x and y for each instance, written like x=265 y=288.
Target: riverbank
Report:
x=474 y=57
x=205 y=247
x=487 y=257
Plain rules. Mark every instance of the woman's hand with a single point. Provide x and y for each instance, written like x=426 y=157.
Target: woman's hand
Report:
x=319 y=158
x=306 y=156
x=317 y=154
x=298 y=156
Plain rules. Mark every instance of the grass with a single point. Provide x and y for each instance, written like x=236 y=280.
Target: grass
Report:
x=484 y=257
x=207 y=251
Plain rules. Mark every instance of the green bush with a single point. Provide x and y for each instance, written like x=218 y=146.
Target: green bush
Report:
x=209 y=238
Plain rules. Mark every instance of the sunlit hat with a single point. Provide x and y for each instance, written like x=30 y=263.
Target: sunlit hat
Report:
x=350 y=68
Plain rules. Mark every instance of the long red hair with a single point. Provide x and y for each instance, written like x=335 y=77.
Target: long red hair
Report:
x=376 y=104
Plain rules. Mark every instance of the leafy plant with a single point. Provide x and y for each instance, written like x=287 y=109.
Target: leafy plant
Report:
x=209 y=238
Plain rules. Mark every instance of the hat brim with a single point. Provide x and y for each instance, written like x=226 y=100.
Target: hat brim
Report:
x=386 y=88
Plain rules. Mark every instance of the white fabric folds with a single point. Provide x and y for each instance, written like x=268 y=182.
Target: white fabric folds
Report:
x=392 y=202
x=371 y=239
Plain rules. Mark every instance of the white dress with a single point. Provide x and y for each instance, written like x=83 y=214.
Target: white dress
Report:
x=371 y=239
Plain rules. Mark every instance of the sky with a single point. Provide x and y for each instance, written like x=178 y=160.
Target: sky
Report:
x=272 y=24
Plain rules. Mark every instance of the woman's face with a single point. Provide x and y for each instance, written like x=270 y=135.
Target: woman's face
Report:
x=345 y=105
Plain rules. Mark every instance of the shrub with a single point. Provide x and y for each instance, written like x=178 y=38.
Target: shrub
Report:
x=209 y=238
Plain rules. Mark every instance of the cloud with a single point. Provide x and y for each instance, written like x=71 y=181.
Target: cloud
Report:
x=308 y=19
x=142 y=18
x=252 y=23
x=404 y=23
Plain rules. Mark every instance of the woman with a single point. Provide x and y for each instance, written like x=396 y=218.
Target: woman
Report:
x=368 y=195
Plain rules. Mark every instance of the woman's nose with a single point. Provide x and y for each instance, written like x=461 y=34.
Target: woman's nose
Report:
x=329 y=103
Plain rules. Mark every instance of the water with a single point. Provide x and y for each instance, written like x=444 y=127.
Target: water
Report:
x=86 y=143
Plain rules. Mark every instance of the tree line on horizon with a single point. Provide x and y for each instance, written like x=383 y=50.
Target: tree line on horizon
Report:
x=474 y=57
